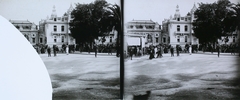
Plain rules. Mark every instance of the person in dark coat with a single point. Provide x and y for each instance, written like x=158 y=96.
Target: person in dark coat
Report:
x=172 y=51
x=54 y=50
x=96 y=50
x=151 y=53
x=49 y=51
x=218 y=49
x=177 y=48
x=158 y=52
x=131 y=52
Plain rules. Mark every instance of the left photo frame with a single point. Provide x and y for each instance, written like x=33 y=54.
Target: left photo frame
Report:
x=76 y=42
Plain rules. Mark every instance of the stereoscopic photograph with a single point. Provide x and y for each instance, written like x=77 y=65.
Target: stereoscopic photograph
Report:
x=120 y=49
x=77 y=40
x=181 y=50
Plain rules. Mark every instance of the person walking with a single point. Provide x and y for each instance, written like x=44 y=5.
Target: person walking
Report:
x=96 y=49
x=49 y=51
x=190 y=49
x=172 y=51
x=54 y=50
x=161 y=51
x=218 y=49
x=131 y=53
x=158 y=52
x=177 y=49
x=151 y=52
x=67 y=49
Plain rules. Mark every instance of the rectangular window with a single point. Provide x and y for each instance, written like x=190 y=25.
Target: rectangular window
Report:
x=186 y=28
x=185 y=38
x=156 y=40
x=33 y=40
x=62 y=28
x=41 y=40
x=178 y=28
x=55 y=19
x=178 y=38
x=55 y=28
x=110 y=39
x=62 y=39
x=182 y=18
x=55 y=40
x=185 y=19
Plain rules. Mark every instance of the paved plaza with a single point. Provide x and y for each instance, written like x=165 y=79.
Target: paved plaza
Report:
x=82 y=76
x=201 y=76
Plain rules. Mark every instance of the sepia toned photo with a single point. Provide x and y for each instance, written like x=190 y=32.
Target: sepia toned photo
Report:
x=181 y=50
x=78 y=41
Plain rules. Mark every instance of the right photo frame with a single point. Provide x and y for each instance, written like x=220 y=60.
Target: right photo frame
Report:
x=181 y=50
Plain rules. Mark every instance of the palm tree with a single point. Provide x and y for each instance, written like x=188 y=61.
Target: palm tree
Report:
x=112 y=20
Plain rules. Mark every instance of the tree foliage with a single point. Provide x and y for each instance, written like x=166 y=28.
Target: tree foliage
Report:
x=214 y=20
x=112 y=20
x=85 y=26
x=95 y=19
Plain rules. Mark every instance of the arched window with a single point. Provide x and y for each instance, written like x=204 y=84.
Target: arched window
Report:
x=62 y=28
x=178 y=28
x=186 y=28
x=55 y=28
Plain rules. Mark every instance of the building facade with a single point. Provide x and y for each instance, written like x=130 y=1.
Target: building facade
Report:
x=109 y=39
x=232 y=38
x=142 y=33
x=29 y=30
x=56 y=29
x=177 y=30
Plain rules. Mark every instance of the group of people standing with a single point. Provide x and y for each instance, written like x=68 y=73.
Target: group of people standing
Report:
x=55 y=49
x=159 y=51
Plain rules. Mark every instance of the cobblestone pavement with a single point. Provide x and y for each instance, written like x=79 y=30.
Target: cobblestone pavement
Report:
x=83 y=76
x=186 y=77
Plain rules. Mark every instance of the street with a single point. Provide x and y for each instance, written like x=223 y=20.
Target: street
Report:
x=200 y=76
x=82 y=76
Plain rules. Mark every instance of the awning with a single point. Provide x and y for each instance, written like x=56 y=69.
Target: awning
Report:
x=133 y=41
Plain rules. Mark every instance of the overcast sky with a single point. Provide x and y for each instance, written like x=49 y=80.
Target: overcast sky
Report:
x=156 y=10
x=35 y=10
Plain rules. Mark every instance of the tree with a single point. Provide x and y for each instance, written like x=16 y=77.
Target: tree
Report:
x=85 y=26
x=112 y=20
x=213 y=21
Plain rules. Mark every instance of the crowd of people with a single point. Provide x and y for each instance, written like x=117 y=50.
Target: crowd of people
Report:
x=157 y=51
x=65 y=48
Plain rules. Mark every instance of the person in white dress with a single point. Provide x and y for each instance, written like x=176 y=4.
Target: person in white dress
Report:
x=67 y=49
x=190 y=49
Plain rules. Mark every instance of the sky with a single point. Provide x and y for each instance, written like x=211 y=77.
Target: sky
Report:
x=35 y=10
x=156 y=10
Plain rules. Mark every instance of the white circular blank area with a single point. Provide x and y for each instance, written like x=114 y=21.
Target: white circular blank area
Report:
x=23 y=75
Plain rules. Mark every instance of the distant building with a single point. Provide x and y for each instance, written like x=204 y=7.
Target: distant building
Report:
x=143 y=33
x=231 y=37
x=56 y=28
x=109 y=39
x=177 y=30
x=29 y=30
